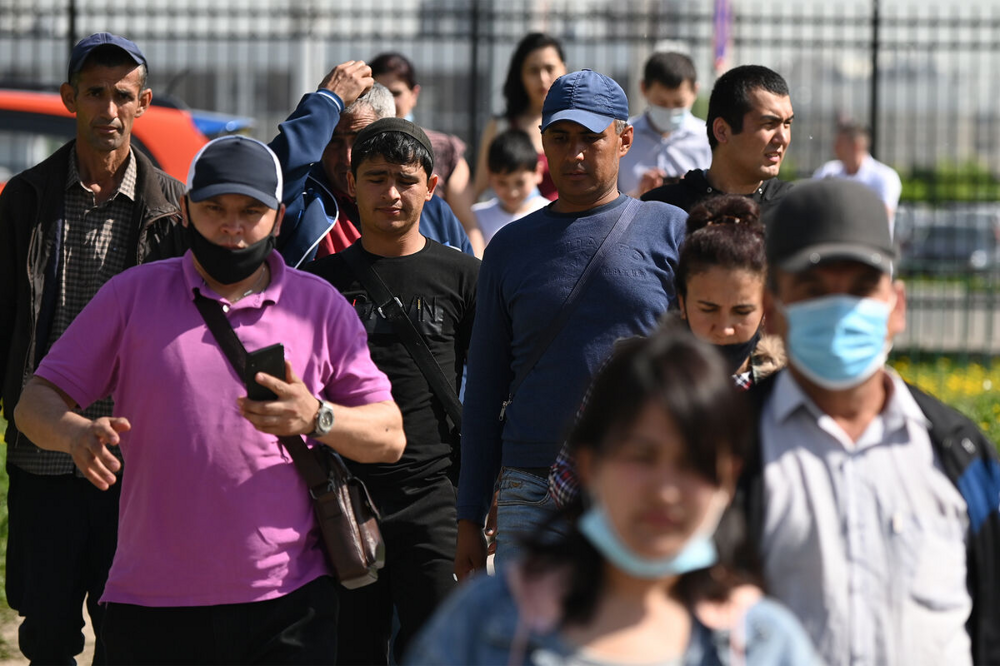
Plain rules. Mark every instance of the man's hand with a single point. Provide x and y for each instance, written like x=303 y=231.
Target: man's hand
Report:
x=470 y=552
x=348 y=80
x=293 y=413
x=90 y=449
x=491 y=525
x=650 y=180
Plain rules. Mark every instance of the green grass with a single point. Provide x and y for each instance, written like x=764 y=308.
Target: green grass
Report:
x=970 y=385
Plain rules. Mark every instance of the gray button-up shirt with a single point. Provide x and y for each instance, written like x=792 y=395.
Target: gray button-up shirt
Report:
x=864 y=541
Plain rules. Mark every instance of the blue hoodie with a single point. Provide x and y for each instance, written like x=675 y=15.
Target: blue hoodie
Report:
x=311 y=207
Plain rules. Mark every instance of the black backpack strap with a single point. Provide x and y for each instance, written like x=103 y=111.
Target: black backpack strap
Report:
x=390 y=308
x=211 y=311
x=573 y=299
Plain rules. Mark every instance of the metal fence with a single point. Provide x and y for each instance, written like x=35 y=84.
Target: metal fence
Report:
x=922 y=75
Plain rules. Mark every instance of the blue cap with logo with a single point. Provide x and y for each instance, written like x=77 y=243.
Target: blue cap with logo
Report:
x=84 y=47
x=235 y=165
x=585 y=97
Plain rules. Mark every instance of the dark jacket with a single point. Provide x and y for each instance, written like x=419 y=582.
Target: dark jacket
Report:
x=970 y=461
x=690 y=190
x=31 y=224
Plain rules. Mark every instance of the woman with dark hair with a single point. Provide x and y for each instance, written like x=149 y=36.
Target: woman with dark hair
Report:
x=396 y=72
x=720 y=285
x=642 y=574
x=536 y=63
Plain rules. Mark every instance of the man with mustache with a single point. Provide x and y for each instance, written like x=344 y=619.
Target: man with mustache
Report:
x=67 y=225
x=526 y=379
x=749 y=129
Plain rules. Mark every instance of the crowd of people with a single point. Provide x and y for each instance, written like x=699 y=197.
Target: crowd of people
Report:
x=647 y=376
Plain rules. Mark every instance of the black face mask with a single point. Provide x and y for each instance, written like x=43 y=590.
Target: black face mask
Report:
x=738 y=352
x=226 y=265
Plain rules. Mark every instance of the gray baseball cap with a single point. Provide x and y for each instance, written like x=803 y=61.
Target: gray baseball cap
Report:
x=829 y=220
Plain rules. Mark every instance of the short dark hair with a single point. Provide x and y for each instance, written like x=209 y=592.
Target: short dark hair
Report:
x=691 y=382
x=511 y=151
x=396 y=64
x=854 y=131
x=393 y=147
x=513 y=88
x=723 y=231
x=730 y=99
x=669 y=70
x=109 y=55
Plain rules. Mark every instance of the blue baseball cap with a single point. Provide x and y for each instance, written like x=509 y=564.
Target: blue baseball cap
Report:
x=585 y=97
x=88 y=44
x=235 y=165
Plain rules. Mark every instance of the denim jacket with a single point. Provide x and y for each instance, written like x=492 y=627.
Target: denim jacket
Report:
x=478 y=624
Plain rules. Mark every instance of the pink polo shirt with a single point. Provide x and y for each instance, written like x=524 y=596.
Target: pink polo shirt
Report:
x=212 y=511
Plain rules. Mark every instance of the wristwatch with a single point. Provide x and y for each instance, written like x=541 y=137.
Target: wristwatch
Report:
x=324 y=420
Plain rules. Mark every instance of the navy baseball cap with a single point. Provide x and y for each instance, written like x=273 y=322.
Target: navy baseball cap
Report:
x=235 y=165
x=585 y=97
x=84 y=47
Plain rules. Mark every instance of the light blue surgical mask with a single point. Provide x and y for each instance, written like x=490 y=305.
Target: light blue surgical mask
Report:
x=667 y=119
x=697 y=553
x=839 y=341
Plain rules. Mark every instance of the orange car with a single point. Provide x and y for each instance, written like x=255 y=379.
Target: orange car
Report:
x=34 y=124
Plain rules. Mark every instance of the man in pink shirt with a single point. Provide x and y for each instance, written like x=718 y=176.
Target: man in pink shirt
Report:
x=218 y=557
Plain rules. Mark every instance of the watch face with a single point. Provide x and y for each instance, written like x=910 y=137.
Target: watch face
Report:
x=324 y=421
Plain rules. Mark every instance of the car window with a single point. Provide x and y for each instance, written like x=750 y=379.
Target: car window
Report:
x=28 y=138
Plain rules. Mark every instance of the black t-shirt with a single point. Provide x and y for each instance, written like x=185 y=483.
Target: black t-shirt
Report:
x=437 y=287
x=693 y=188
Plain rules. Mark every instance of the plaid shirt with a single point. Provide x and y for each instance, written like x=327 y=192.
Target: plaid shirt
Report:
x=564 y=484
x=94 y=244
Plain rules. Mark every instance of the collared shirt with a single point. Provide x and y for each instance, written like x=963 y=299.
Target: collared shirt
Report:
x=213 y=511
x=683 y=150
x=864 y=541
x=880 y=177
x=93 y=248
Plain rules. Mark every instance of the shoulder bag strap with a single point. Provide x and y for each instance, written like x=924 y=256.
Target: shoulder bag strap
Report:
x=211 y=311
x=573 y=299
x=389 y=307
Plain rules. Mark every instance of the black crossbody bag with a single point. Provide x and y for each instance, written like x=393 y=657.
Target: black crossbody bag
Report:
x=390 y=308
x=347 y=517
x=615 y=234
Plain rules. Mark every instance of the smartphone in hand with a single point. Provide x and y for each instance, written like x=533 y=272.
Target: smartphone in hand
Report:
x=270 y=361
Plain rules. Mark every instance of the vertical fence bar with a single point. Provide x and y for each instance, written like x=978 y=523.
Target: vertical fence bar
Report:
x=72 y=25
x=474 y=26
x=873 y=112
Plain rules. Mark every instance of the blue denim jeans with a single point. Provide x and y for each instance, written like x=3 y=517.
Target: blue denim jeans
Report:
x=523 y=504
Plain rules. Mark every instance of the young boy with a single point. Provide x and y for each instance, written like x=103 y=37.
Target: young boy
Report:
x=512 y=162
x=391 y=177
x=668 y=140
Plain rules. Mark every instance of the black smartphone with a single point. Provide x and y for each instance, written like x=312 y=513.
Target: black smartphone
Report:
x=270 y=361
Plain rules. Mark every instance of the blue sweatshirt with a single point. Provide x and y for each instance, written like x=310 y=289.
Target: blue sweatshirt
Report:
x=528 y=270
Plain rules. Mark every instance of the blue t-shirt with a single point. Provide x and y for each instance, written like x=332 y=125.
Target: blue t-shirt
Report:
x=528 y=270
